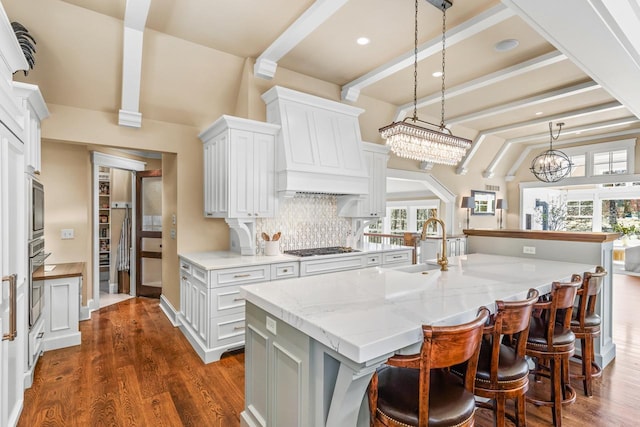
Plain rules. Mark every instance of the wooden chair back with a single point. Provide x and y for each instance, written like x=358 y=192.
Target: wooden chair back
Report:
x=558 y=311
x=588 y=293
x=512 y=319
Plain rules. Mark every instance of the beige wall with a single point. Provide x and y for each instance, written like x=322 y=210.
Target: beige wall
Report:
x=170 y=198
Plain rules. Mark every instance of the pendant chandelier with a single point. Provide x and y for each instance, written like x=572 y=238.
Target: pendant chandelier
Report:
x=551 y=165
x=410 y=140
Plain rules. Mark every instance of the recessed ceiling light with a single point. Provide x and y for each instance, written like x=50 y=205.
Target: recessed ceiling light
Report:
x=538 y=113
x=505 y=45
x=437 y=74
x=363 y=41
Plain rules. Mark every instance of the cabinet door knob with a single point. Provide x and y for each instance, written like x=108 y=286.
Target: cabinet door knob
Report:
x=286 y=270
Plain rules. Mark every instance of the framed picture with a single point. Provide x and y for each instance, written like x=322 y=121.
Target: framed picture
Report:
x=485 y=202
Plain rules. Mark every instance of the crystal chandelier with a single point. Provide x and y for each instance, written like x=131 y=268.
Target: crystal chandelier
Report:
x=551 y=165
x=408 y=139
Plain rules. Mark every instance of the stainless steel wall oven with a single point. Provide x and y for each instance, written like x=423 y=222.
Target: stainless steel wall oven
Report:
x=36 y=286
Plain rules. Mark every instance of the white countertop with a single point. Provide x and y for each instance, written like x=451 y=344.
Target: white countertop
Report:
x=215 y=260
x=369 y=313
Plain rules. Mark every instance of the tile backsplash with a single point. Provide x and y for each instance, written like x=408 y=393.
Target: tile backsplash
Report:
x=306 y=221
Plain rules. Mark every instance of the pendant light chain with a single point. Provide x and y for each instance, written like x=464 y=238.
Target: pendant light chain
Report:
x=415 y=66
x=444 y=29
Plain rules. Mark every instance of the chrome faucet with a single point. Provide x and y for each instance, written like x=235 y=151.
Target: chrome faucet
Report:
x=442 y=261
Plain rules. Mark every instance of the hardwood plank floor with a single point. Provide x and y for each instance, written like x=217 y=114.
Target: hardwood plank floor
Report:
x=134 y=368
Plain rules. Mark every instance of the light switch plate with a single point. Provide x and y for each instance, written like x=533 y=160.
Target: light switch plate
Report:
x=66 y=233
x=173 y=233
x=271 y=325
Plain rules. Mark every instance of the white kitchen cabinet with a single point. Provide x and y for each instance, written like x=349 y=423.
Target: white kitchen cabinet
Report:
x=323 y=265
x=239 y=168
x=35 y=111
x=430 y=248
x=396 y=258
x=211 y=309
x=373 y=204
x=61 y=312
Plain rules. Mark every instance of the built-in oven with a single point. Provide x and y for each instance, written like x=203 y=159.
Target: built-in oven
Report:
x=36 y=216
x=36 y=282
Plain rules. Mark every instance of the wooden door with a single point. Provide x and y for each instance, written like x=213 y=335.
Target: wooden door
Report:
x=149 y=233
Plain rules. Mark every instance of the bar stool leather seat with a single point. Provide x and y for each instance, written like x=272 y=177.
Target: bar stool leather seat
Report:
x=451 y=405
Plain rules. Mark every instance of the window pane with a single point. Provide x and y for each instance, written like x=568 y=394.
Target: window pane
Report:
x=398 y=221
x=579 y=215
x=422 y=214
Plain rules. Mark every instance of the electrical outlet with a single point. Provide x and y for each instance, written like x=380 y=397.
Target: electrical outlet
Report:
x=66 y=233
x=529 y=250
x=173 y=219
x=271 y=325
x=173 y=233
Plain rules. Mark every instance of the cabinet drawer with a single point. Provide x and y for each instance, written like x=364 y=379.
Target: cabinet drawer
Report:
x=285 y=270
x=224 y=300
x=199 y=273
x=259 y=273
x=329 y=265
x=36 y=339
x=396 y=257
x=371 y=260
x=185 y=267
x=227 y=329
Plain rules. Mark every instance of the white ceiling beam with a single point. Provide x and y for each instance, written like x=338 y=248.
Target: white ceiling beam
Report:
x=267 y=63
x=526 y=102
x=490 y=171
x=602 y=39
x=565 y=115
x=464 y=31
x=525 y=153
x=487 y=80
x=135 y=17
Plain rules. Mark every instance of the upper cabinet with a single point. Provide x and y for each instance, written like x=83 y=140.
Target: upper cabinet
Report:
x=35 y=110
x=239 y=168
x=373 y=204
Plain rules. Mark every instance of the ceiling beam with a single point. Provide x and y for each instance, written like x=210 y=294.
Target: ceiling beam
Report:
x=490 y=171
x=267 y=63
x=464 y=31
x=526 y=102
x=565 y=115
x=486 y=80
x=511 y=174
x=602 y=40
x=135 y=18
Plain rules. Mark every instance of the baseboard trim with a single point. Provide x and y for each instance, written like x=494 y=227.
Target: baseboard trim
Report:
x=169 y=311
x=85 y=310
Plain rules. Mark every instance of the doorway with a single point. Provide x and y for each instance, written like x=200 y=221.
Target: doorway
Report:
x=149 y=233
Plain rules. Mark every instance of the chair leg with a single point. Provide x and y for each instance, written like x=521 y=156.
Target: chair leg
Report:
x=499 y=412
x=557 y=391
x=521 y=413
x=587 y=362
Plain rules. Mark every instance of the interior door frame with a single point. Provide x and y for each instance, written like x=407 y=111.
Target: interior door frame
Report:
x=110 y=161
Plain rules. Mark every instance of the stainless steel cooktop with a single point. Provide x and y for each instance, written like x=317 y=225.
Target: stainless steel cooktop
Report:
x=321 y=251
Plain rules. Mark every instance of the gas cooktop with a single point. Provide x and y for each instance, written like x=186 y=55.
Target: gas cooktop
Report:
x=321 y=251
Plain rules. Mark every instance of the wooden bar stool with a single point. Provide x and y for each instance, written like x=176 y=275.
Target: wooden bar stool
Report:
x=400 y=391
x=503 y=371
x=586 y=325
x=551 y=342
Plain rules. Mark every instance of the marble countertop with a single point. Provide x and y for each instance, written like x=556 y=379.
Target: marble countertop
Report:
x=371 y=313
x=215 y=260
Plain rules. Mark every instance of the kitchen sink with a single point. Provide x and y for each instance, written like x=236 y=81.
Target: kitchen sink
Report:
x=418 y=268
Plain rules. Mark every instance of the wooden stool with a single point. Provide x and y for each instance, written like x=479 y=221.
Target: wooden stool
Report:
x=399 y=392
x=503 y=371
x=551 y=342
x=586 y=325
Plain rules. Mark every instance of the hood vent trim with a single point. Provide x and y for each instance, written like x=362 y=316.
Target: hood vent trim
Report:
x=319 y=147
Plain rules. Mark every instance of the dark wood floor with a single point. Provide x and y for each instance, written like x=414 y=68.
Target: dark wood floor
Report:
x=134 y=369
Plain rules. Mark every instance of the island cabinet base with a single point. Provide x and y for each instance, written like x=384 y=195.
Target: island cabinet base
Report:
x=293 y=380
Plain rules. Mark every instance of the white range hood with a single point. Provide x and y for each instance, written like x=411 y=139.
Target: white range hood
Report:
x=319 y=148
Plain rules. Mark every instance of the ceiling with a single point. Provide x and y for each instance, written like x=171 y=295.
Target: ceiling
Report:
x=577 y=61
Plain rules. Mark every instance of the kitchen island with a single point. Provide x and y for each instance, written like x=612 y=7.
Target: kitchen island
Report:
x=313 y=343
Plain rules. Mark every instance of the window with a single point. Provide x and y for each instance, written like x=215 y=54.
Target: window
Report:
x=579 y=215
x=610 y=162
x=398 y=220
x=423 y=214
